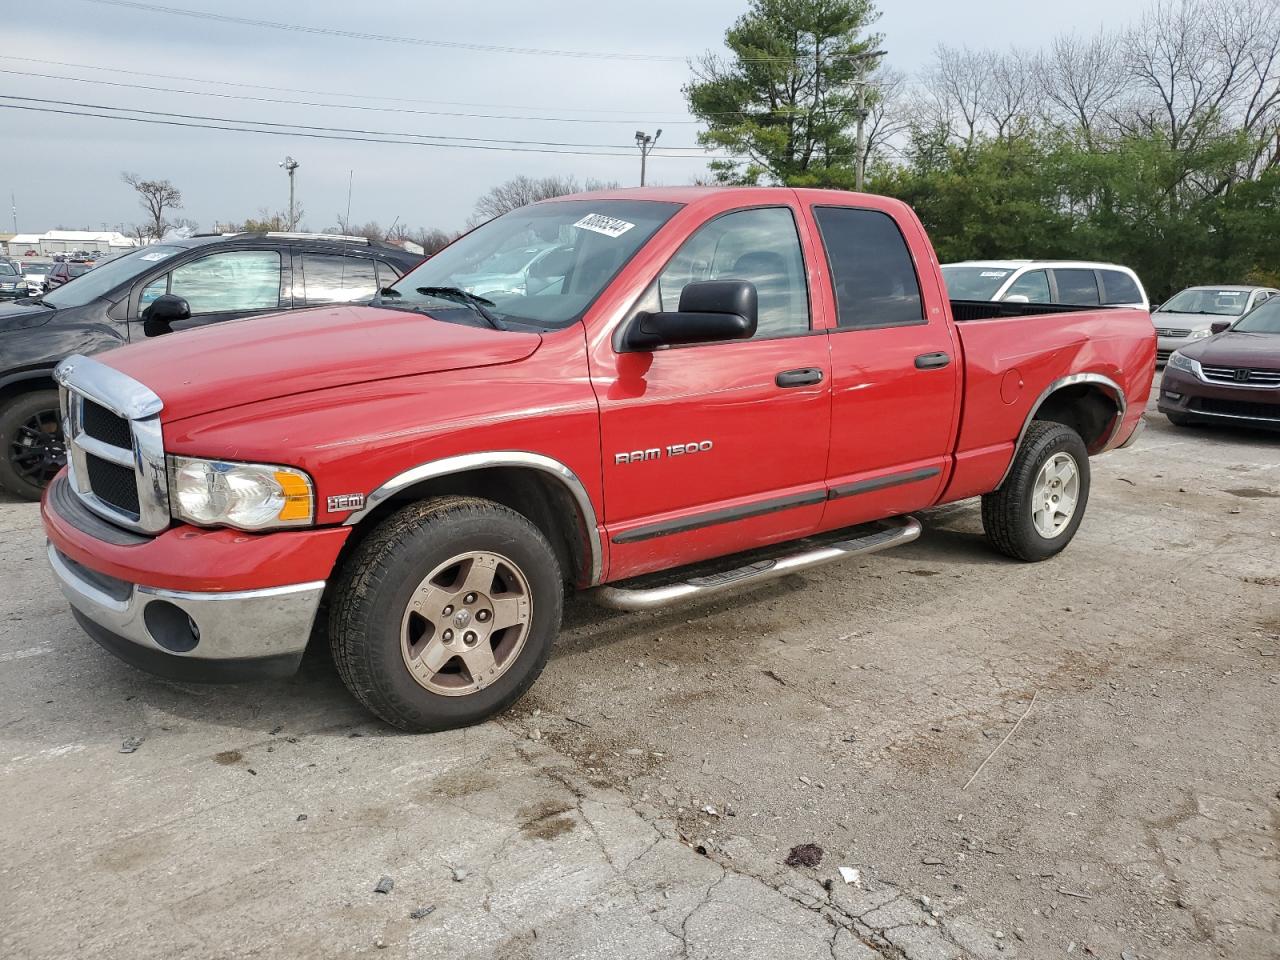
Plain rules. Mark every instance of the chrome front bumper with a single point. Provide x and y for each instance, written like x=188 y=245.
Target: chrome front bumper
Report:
x=248 y=634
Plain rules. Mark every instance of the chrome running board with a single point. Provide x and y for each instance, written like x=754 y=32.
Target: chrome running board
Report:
x=896 y=532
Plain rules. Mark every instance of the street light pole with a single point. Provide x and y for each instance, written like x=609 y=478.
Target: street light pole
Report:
x=290 y=165
x=645 y=143
x=861 y=114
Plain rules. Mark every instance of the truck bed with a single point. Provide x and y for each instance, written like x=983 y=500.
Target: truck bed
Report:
x=964 y=310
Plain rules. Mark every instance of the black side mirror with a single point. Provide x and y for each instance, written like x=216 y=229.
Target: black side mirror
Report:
x=710 y=310
x=162 y=312
x=1219 y=325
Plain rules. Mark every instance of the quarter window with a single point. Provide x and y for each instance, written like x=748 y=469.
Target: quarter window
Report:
x=236 y=281
x=1119 y=288
x=761 y=246
x=1078 y=287
x=871 y=269
x=1034 y=285
x=338 y=279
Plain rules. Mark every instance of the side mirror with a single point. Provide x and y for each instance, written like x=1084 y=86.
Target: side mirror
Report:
x=1218 y=326
x=710 y=310
x=162 y=312
x=1017 y=298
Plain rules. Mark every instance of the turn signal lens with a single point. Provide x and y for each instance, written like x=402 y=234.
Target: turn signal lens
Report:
x=297 y=495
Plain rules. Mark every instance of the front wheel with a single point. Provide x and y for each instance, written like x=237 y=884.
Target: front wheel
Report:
x=1038 y=509
x=32 y=449
x=445 y=614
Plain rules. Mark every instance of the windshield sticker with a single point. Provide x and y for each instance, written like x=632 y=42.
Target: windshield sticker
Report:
x=156 y=255
x=994 y=273
x=599 y=223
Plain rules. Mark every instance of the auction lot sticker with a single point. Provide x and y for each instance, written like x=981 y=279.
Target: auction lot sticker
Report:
x=599 y=223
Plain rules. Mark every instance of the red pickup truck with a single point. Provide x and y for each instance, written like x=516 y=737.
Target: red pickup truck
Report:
x=672 y=392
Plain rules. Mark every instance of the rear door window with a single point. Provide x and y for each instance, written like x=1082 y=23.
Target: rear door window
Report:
x=331 y=279
x=1078 y=287
x=1119 y=287
x=871 y=270
x=1034 y=285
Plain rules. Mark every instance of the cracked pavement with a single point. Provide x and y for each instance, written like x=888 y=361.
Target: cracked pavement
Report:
x=1134 y=814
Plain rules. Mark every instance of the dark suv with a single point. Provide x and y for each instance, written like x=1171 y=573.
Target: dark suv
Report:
x=164 y=288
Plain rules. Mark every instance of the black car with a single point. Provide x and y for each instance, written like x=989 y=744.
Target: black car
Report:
x=12 y=283
x=164 y=288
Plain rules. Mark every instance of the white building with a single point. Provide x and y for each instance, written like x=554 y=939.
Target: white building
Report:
x=65 y=241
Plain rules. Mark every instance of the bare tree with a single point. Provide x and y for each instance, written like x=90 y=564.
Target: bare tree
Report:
x=1010 y=91
x=959 y=83
x=155 y=197
x=434 y=240
x=1082 y=79
x=890 y=113
x=521 y=191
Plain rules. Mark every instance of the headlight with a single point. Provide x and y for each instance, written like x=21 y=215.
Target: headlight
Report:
x=247 y=496
x=1199 y=334
x=1179 y=361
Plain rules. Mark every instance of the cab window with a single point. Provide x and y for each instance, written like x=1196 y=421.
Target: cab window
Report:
x=1034 y=285
x=1119 y=288
x=1077 y=287
x=761 y=246
x=871 y=270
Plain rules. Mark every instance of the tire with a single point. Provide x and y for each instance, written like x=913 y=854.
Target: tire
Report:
x=1009 y=515
x=384 y=609
x=1180 y=419
x=28 y=462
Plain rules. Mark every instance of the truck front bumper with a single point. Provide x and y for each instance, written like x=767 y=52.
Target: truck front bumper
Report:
x=190 y=604
x=179 y=635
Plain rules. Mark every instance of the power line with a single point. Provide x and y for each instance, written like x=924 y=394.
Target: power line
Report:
x=326 y=129
x=217 y=125
x=318 y=93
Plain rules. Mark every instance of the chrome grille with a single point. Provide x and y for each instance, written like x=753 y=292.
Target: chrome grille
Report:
x=1172 y=332
x=115 y=452
x=1242 y=376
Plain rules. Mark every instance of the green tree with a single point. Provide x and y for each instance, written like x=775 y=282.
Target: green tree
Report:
x=786 y=98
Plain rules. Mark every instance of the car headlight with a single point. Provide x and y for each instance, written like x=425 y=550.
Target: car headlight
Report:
x=1179 y=361
x=1199 y=334
x=247 y=496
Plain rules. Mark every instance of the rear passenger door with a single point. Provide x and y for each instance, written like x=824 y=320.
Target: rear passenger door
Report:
x=322 y=278
x=894 y=365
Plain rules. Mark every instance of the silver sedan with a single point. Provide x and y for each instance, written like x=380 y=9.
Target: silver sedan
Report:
x=1188 y=315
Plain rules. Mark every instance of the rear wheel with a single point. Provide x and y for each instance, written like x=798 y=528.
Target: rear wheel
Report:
x=1038 y=509
x=445 y=614
x=32 y=443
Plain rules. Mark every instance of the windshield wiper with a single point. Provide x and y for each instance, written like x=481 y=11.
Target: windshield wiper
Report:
x=458 y=295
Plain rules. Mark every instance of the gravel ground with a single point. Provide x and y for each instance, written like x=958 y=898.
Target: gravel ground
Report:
x=643 y=799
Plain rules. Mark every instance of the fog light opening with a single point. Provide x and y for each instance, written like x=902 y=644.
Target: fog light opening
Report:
x=171 y=627
x=1173 y=396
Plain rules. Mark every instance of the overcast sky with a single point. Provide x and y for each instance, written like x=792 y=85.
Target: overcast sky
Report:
x=65 y=170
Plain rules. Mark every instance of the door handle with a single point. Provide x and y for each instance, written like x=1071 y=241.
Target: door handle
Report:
x=799 y=378
x=932 y=361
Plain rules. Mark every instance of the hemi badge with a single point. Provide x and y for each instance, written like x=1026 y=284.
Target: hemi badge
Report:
x=346 y=501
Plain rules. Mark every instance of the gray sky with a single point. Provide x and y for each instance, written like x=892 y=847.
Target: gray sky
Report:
x=65 y=170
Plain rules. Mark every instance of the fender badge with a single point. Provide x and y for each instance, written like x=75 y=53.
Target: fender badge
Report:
x=346 y=501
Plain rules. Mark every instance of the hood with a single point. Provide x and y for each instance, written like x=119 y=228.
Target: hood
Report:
x=1236 y=349
x=263 y=358
x=1192 y=321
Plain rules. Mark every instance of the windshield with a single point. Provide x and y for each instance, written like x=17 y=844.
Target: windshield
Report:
x=91 y=284
x=6 y=270
x=974 y=283
x=542 y=265
x=1264 y=318
x=1218 y=303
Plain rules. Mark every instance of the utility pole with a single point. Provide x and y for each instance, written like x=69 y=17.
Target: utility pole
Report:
x=13 y=203
x=290 y=165
x=645 y=143
x=861 y=115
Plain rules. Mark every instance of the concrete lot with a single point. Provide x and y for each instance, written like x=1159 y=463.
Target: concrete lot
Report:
x=1134 y=814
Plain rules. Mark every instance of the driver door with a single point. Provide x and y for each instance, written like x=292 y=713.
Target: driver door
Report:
x=227 y=285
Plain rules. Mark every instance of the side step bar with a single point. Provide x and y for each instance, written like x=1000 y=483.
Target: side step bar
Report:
x=898 y=531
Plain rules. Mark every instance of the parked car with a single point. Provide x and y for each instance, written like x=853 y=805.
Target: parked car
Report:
x=1046 y=281
x=437 y=466
x=154 y=290
x=12 y=283
x=1231 y=377
x=1189 y=315
x=32 y=253
x=64 y=272
x=35 y=272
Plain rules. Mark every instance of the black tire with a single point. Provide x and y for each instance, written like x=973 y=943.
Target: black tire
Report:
x=377 y=584
x=27 y=462
x=1007 y=514
x=1180 y=419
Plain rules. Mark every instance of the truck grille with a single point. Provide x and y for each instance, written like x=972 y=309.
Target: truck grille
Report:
x=1259 y=378
x=1237 y=408
x=115 y=451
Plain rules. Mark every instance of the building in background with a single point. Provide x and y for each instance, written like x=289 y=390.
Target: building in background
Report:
x=65 y=241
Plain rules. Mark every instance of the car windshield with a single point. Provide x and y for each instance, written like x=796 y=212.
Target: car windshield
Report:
x=6 y=270
x=974 y=283
x=1261 y=319
x=579 y=246
x=1208 y=300
x=91 y=284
